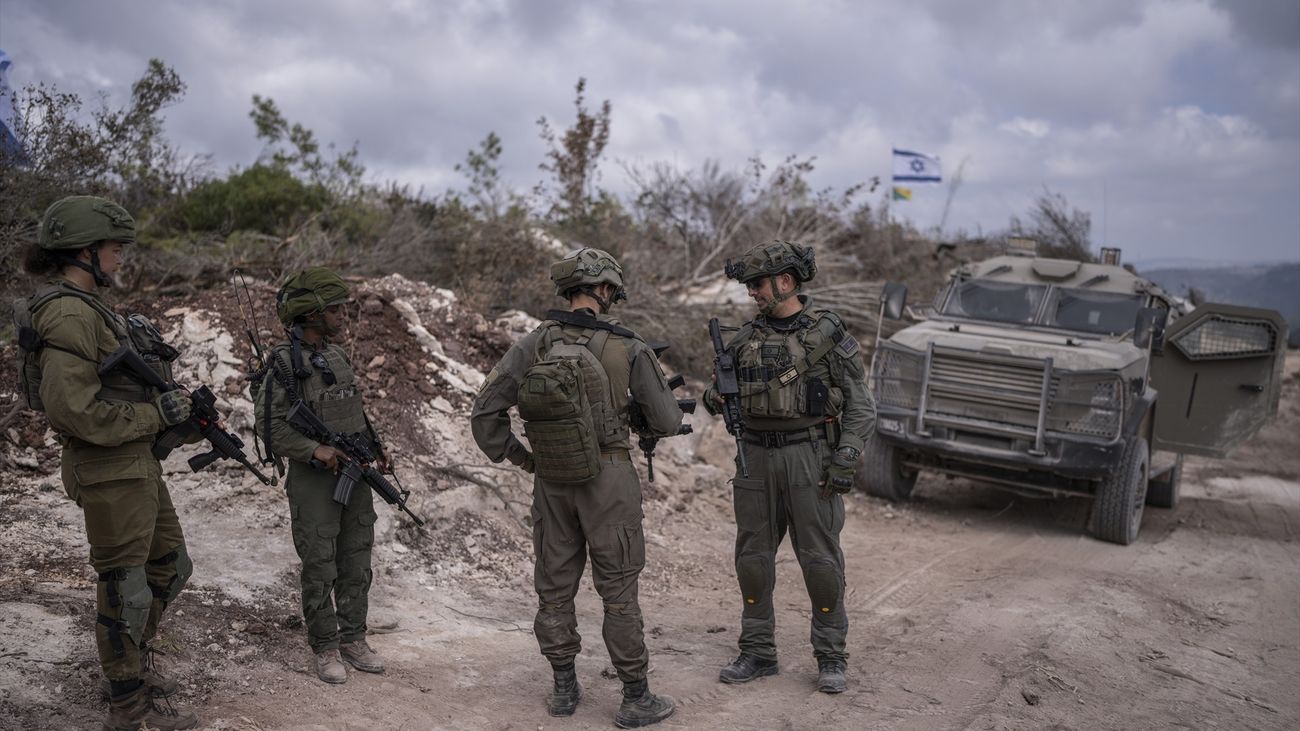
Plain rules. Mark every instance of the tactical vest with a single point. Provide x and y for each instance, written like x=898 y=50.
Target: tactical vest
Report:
x=338 y=404
x=573 y=400
x=777 y=369
x=135 y=331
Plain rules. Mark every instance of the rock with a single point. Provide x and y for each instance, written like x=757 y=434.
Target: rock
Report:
x=443 y=405
x=377 y=362
x=426 y=387
x=214 y=647
x=239 y=625
x=372 y=306
x=1030 y=697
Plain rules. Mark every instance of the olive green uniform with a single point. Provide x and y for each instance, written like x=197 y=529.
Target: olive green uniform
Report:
x=334 y=541
x=106 y=427
x=601 y=517
x=797 y=413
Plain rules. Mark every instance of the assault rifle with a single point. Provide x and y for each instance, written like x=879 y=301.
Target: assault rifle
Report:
x=647 y=441
x=204 y=419
x=725 y=378
x=356 y=463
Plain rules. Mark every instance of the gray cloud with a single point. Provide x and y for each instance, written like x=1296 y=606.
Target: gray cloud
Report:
x=1186 y=112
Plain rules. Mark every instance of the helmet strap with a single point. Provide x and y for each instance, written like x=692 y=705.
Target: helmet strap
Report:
x=777 y=296
x=93 y=268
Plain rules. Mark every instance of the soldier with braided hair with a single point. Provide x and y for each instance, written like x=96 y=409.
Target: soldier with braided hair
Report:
x=106 y=426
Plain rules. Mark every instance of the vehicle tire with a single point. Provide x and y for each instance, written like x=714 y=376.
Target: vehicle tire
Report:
x=1117 y=508
x=1163 y=491
x=882 y=474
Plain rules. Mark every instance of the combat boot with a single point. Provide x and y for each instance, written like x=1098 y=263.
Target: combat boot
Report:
x=359 y=655
x=329 y=667
x=158 y=686
x=641 y=707
x=564 y=697
x=830 y=676
x=746 y=668
x=137 y=709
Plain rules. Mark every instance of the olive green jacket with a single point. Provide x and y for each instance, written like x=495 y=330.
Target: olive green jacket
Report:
x=626 y=360
x=70 y=379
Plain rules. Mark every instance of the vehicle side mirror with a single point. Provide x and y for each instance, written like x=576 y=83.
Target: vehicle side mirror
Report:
x=1149 y=328
x=893 y=299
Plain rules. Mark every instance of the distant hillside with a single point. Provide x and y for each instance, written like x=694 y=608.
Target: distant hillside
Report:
x=1275 y=286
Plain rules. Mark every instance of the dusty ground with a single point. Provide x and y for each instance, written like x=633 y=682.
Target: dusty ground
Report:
x=969 y=608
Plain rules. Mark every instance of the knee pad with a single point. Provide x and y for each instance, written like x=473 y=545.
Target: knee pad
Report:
x=824 y=582
x=179 y=559
x=129 y=600
x=752 y=573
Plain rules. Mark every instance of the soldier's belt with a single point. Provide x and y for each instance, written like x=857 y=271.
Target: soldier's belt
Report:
x=619 y=455
x=774 y=439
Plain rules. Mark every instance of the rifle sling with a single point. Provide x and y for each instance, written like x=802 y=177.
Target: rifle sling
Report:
x=573 y=318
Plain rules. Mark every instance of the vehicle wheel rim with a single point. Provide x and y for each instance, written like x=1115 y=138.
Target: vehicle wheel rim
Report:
x=1139 y=499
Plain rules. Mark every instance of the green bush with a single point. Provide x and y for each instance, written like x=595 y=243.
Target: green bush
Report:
x=261 y=198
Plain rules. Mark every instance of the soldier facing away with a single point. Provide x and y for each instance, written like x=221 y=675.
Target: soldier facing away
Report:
x=570 y=379
x=807 y=413
x=107 y=426
x=333 y=540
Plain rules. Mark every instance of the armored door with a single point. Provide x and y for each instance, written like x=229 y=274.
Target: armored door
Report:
x=1219 y=378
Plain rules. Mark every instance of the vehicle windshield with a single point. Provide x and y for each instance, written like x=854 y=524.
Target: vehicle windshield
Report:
x=982 y=299
x=1104 y=313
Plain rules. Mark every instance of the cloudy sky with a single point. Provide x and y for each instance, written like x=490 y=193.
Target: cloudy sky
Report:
x=1175 y=122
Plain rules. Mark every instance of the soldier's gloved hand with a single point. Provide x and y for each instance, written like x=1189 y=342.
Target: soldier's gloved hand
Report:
x=174 y=406
x=528 y=465
x=713 y=402
x=839 y=476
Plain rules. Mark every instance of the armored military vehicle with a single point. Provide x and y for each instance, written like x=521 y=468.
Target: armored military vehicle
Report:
x=1051 y=377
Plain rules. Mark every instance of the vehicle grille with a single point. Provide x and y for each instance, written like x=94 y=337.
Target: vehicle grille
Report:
x=1002 y=389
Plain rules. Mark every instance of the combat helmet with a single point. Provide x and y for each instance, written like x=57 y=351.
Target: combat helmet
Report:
x=771 y=259
x=308 y=291
x=584 y=269
x=76 y=222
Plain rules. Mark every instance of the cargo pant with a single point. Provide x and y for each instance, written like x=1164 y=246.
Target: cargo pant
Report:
x=781 y=494
x=601 y=518
x=136 y=546
x=334 y=543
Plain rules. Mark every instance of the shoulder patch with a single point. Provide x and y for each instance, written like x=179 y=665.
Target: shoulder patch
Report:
x=847 y=347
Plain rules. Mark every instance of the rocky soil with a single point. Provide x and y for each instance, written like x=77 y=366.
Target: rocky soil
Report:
x=969 y=608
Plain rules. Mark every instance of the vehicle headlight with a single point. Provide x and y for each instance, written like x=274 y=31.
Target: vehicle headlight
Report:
x=897 y=377
x=1091 y=405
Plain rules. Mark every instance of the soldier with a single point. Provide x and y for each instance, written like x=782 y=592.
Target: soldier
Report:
x=106 y=426
x=333 y=540
x=807 y=413
x=570 y=379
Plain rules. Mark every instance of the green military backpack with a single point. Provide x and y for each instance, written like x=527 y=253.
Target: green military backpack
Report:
x=562 y=400
x=30 y=342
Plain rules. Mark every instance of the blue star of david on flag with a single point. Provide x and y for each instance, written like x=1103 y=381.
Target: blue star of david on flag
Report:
x=914 y=167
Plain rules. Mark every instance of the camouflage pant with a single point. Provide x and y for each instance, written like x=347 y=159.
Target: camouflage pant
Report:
x=136 y=546
x=334 y=543
x=782 y=495
x=601 y=518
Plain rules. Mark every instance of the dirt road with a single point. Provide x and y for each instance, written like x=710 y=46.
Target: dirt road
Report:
x=969 y=609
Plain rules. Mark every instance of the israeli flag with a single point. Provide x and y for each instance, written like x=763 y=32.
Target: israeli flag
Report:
x=10 y=150
x=913 y=167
